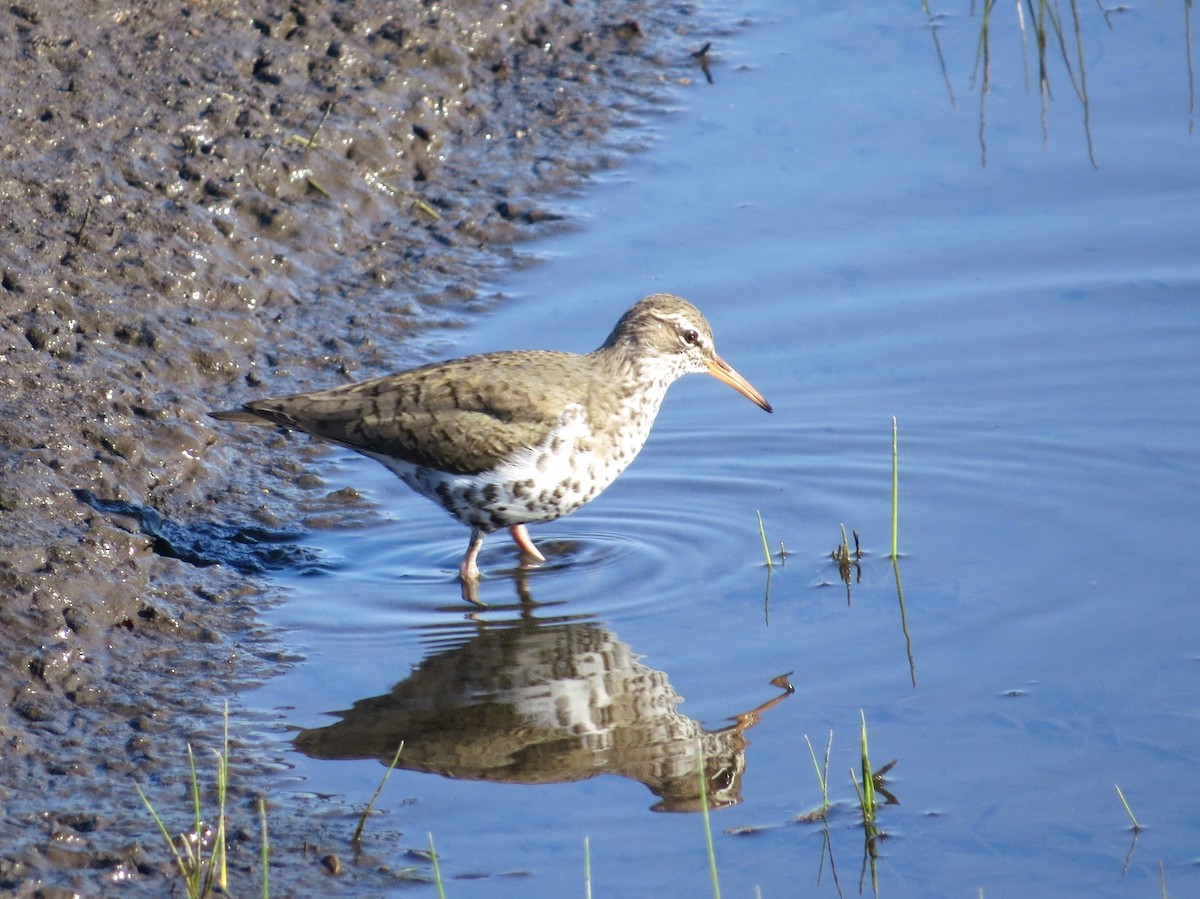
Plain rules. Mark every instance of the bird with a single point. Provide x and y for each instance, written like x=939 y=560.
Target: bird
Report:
x=517 y=437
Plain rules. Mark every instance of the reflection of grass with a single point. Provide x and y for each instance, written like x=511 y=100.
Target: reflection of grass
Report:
x=1046 y=24
x=935 y=21
x=1136 y=829
x=1191 y=70
x=1053 y=40
x=201 y=853
x=872 y=791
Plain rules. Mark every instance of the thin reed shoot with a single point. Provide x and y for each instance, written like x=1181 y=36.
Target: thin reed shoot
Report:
x=708 y=837
x=587 y=868
x=265 y=851
x=763 y=534
x=822 y=771
x=437 y=870
x=356 y=839
x=895 y=493
x=1136 y=826
x=866 y=795
x=203 y=872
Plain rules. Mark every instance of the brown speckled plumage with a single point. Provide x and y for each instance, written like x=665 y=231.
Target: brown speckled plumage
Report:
x=504 y=439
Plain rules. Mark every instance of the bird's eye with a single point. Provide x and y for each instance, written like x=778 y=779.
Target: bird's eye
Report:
x=691 y=336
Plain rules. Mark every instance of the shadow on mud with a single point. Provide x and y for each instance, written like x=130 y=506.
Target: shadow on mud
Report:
x=248 y=549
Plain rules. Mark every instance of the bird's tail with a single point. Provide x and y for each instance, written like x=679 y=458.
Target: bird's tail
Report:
x=240 y=415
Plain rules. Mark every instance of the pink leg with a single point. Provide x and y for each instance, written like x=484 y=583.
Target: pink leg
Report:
x=521 y=537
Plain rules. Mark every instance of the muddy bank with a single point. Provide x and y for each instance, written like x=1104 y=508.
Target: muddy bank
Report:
x=202 y=201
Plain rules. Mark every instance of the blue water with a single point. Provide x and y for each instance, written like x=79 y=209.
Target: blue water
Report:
x=1034 y=326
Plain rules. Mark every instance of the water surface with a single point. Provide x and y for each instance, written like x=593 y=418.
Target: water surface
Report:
x=1032 y=324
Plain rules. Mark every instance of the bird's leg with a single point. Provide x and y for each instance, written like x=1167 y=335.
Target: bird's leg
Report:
x=470 y=592
x=468 y=571
x=521 y=537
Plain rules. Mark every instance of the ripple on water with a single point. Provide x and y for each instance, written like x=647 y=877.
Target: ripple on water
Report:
x=652 y=537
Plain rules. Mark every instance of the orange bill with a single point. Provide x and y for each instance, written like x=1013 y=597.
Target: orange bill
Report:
x=723 y=371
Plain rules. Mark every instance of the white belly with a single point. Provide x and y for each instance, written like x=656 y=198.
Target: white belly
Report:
x=564 y=472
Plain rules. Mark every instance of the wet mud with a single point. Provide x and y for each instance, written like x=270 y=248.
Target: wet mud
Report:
x=203 y=201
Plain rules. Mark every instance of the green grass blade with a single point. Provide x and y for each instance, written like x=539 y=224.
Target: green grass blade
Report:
x=708 y=838
x=822 y=776
x=868 y=789
x=179 y=863
x=198 y=875
x=587 y=868
x=265 y=851
x=895 y=493
x=1128 y=810
x=219 y=847
x=196 y=824
x=224 y=788
x=437 y=870
x=762 y=532
x=357 y=838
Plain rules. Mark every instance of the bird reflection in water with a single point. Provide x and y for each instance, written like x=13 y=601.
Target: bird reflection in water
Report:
x=536 y=701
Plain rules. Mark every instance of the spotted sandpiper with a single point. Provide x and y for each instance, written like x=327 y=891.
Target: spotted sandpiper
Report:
x=518 y=437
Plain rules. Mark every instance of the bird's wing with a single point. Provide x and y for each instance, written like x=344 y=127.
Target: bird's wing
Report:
x=463 y=416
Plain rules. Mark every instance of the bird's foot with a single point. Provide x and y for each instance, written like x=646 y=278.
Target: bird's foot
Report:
x=468 y=571
x=529 y=552
x=470 y=589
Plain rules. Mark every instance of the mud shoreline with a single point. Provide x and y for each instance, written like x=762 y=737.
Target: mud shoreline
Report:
x=202 y=201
